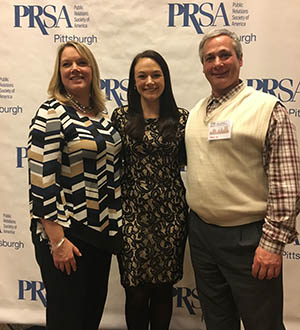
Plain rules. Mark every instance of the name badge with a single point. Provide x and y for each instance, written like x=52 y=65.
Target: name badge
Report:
x=219 y=130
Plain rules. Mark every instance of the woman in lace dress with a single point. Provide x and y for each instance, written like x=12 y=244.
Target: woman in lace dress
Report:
x=154 y=207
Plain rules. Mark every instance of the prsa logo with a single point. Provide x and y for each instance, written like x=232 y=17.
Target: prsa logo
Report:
x=21 y=156
x=285 y=89
x=292 y=255
x=32 y=290
x=187 y=298
x=199 y=15
x=115 y=90
x=43 y=17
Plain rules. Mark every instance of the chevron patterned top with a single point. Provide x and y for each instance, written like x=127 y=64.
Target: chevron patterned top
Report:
x=74 y=170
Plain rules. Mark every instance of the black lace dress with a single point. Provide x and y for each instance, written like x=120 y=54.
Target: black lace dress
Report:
x=154 y=206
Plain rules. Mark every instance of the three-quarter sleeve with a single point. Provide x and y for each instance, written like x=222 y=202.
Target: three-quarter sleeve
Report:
x=45 y=145
x=181 y=148
x=115 y=119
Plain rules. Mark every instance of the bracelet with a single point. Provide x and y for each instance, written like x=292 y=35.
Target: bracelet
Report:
x=57 y=245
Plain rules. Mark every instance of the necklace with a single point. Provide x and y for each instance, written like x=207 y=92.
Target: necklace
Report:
x=83 y=108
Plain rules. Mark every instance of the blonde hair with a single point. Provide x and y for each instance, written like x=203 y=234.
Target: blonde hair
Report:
x=56 y=88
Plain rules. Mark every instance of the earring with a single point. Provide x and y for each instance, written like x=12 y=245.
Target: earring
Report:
x=134 y=87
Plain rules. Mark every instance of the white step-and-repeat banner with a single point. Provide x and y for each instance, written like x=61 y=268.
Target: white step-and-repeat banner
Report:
x=116 y=31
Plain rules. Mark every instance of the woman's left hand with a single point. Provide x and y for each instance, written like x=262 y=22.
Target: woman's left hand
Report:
x=64 y=257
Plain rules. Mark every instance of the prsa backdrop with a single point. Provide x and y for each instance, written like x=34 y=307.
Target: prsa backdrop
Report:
x=115 y=31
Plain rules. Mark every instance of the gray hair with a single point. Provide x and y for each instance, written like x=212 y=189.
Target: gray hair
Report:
x=219 y=32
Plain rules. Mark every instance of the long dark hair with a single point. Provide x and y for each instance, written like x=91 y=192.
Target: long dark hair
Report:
x=168 y=114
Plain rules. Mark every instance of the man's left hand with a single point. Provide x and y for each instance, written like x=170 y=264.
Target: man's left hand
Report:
x=266 y=265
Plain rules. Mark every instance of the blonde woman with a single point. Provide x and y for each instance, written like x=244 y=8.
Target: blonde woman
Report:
x=73 y=154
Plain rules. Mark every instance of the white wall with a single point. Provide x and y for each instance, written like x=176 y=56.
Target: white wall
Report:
x=116 y=31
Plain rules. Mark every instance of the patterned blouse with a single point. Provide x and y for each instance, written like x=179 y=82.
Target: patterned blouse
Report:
x=74 y=180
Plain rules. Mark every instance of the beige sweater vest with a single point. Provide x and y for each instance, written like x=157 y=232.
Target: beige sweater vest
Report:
x=226 y=182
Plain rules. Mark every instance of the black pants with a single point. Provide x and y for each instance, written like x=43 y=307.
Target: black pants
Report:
x=222 y=260
x=76 y=301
